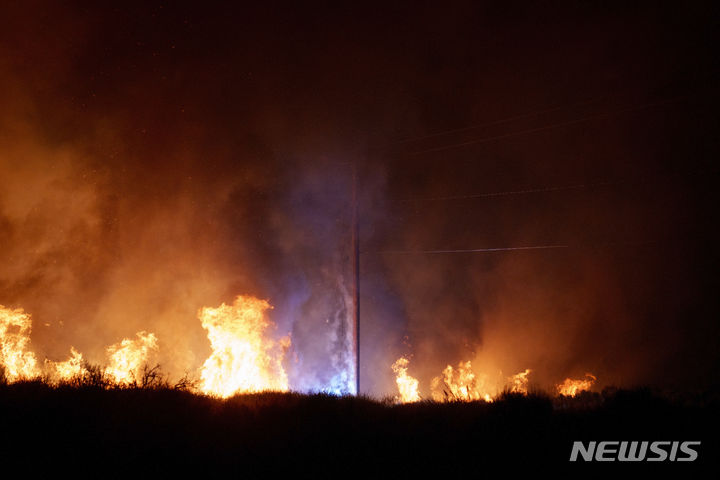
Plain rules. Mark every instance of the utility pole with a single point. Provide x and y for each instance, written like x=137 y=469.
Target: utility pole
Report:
x=356 y=273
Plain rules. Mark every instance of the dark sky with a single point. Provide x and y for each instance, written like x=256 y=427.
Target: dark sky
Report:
x=161 y=156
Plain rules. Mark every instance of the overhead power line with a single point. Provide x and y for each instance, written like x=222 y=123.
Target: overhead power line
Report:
x=559 y=188
x=476 y=250
x=497 y=122
x=510 y=249
x=550 y=126
x=514 y=192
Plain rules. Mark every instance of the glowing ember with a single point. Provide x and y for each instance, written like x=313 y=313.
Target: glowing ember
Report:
x=519 y=382
x=17 y=363
x=244 y=358
x=407 y=385
x=571 y=387
x=128 y=358
x=459 y=384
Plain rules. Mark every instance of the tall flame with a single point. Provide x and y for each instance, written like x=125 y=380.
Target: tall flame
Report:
x=128 y=357
x=519 y=382
x=17 y=362
x=570 y=387
x=407 y=385
x=244 y=358
x=68 y=369
x=459 y=384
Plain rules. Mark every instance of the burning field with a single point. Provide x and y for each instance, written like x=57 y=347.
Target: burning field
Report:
x=236 y=414
x=244 y=359
x=241 y=237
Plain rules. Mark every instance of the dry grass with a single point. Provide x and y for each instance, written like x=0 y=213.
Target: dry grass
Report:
x=158 y=427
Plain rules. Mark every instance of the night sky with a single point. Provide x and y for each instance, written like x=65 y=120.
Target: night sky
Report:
x=156 y=157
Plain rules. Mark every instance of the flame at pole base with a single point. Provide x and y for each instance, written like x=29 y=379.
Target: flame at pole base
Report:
x=244 y=358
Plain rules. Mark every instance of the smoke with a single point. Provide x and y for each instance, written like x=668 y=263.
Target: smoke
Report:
x=99 y=249
x=130 y=199
x=155 y=160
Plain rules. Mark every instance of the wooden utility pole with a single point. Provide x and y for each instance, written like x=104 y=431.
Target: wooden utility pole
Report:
x=356 y=274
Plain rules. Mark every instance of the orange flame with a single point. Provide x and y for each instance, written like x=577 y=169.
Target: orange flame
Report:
x=67 y=370
x=571 y=387
x=244 y=358
x=461 y=384
x=519 y=382
x=128 y=357
x=18 y=363
x=407 y=385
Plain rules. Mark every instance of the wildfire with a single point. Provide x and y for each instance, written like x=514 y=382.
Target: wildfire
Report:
x=459 y=384
x=571 y=387
x=128 y=357
x=244 y=358
x=17 y=362
x=69 y=369
x=462 y=384
x=519 y=382
x=407 y=385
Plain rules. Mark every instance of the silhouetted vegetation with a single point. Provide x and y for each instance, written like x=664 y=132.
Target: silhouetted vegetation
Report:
x=158 y=427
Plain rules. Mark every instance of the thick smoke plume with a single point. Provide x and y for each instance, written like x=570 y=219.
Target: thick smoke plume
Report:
x=158 y=159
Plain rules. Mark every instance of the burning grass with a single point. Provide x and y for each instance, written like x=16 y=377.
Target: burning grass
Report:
x=244 y=357
x=129 y=417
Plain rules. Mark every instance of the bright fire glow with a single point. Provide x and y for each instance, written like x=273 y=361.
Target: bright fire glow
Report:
x=16 y=361
x=67 y=370
x=407 y=385
x=244 y=358
x=519 y=382
x=462 y=384
x=571 y=387
x=459 y=384
x=128 y=358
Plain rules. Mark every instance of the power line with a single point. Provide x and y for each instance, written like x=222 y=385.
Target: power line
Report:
x=474 y=250
x=578 y=186
x=514 y=192
x=497 y=122
x=549 y=127
x=509 y=249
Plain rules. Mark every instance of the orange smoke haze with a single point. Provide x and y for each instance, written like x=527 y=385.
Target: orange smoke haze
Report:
x=160 y=162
